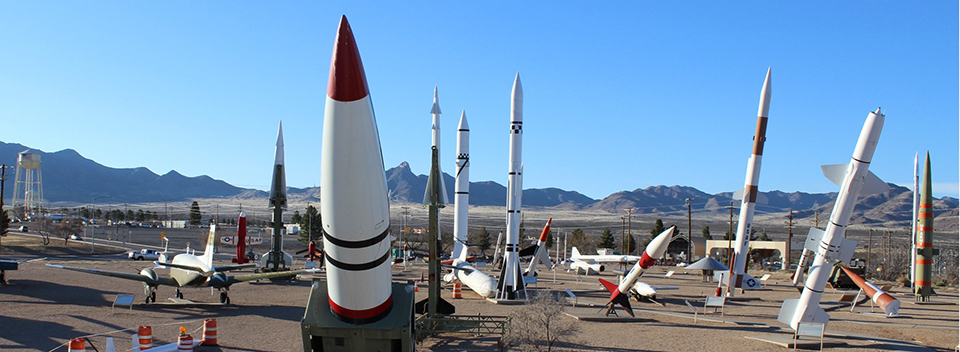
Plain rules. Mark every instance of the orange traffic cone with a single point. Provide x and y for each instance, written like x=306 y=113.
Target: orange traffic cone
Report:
x=209 y=337
x=77 y=345
x=145 y=337
x=457 y=290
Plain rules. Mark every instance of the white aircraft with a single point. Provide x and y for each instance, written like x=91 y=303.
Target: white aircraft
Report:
x=595 y=263
x=189 y=270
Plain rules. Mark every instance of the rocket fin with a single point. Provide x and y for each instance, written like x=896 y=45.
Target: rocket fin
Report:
x=835 y=173
x=749 y=283
x=847 y=247
x=813 y=239
x=873 y=185
x=787 y=310
x=526 y=252
x=612 y=287
x=761 y=199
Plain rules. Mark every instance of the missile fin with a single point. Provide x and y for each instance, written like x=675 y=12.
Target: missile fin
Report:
x=813 y=239
x=787 y=310
x=761 y=199
x=835 y=173
x=873 y=185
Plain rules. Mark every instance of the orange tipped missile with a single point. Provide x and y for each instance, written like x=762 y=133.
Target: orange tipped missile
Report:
x=890 y=305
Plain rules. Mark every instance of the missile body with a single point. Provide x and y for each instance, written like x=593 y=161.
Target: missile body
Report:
x=241 y=240
x=654 y=250
x=277 y=259
x=750 y=192
x=353 y=193
x=461 y=201
x=890 y=305
x=511 y=284
x=435 y=140
x=922 y=278
x=476 y=280
x=828 y=246
x=278 y=188
x=539 y=251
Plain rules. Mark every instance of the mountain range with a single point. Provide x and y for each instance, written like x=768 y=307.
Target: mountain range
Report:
x=69 y=178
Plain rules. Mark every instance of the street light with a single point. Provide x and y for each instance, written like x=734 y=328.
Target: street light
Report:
x=93 y=239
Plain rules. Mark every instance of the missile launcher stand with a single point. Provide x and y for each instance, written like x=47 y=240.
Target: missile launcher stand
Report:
x=324 y=332
x=275 y=258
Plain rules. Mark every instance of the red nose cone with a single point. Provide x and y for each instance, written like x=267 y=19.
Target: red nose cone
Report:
x=347 y=80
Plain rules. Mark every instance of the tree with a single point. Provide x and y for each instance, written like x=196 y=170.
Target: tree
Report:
x=606 y=239
x=195 y=215
x=129 y=215
x=482 y=239
x=540 y=325
x=631 y=244
x=311 y=226
x=763 y=237
x=579 y=239
x=296 y=217
x=67 y=227
x=140 y=215
x=706 y=233
x=549 y=239
x=657 y=229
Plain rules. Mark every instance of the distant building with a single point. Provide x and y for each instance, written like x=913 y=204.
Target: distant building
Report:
x=174 y=224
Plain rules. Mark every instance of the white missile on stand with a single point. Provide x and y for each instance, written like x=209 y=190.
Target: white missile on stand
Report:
x=461 y=201
x=749 y=194
x=655 y=249
x=511 y=285
x=353 y=193
x=828 y=246
x=435 y=140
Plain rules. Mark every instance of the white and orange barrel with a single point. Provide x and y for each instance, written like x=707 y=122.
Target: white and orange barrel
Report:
x=209 y=337
x=457 y=290
x=185 y=343
x=416 y=286
x=890 y=305
x=77 y=345
x=145 y=337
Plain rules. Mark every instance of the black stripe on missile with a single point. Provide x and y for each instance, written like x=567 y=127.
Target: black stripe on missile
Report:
x=463 y=192
x=358 y=267
x=836 y=224
x=808 y=287
x=355 y=244
x=465 y=130
x=513 y=211
x=860 y=161
x=516 y=122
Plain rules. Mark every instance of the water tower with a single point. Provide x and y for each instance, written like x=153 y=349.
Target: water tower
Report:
x=28 y=190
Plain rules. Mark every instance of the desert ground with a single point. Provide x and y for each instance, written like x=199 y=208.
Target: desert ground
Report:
x=43 y=307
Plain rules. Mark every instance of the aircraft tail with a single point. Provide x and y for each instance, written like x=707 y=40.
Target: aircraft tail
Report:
x=207 y=256
x=575 y=254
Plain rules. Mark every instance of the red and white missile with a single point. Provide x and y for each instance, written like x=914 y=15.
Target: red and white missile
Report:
x=353 y=193
x=461 y=201
x=749 y=197
x=511 y=284
x=654 y=250
x=241 y=240
x=538 y=251
x=828 y=246
x=890 y=305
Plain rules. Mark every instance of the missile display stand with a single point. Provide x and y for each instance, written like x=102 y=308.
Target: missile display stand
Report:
x=324 y=332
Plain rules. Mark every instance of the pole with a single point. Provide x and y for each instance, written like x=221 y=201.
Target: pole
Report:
x=689 y=233
x=789 y=237
x=913 y=228
x=869 y=248
x=730 y=234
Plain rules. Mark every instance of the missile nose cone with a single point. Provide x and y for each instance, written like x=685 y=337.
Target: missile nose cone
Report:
x=243 y=214
x=463 y=126
x=280 y=135
x=659 y=244
x=436 y=103
x=347 y=80
x=517 y=87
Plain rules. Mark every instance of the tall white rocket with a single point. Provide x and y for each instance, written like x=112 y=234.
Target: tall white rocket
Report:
x=511 y=283
x=435 y=133
x=748 y=202
x=461 y=201
x=828 y=245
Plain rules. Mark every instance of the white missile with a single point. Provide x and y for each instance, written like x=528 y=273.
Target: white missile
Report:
x=749 y=198
x=511 y=284
x=435 y=133
x=278 y=188
x=538 y=251
x=461 y=201
x=828 y=246
x=476 y=280
x=353 y=193
x=654 y=250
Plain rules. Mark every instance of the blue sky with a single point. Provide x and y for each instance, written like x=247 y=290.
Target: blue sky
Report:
x=618 y=96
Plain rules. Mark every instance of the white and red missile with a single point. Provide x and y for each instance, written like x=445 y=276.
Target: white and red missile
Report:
x=748 y=203
x=461 y=201
x=655 y=249
x=828 y=246
x=538 y=251
x=890 y=305
x=241 y=240
x=435 y=140
x=353 y=193
x=511 y=284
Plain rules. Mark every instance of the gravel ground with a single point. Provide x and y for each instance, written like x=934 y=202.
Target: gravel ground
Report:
x=43 y=307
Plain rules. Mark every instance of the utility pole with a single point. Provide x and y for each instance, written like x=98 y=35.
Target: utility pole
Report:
x=789 y=237
x=629 y=218
x=816 y=219
x=689 y=232
x=869 y=248
x=623 y=235
x=730 y=234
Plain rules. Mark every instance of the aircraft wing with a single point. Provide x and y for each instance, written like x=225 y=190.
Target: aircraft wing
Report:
x=666 y=288
x=234 y=267
x=160 y=280
x=262 y=276
x=454 y=267
x=180 y=266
